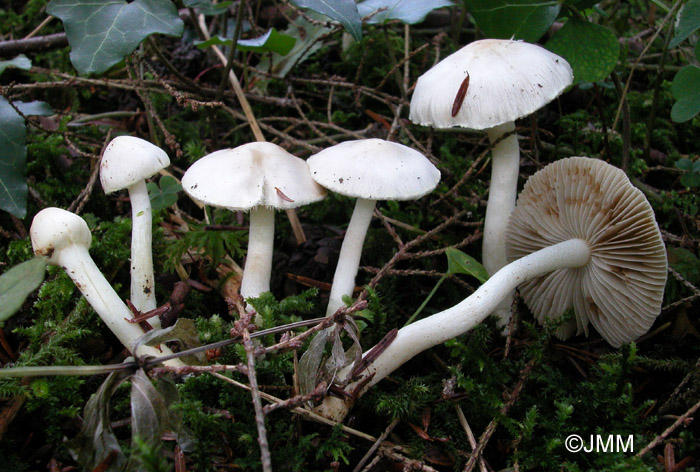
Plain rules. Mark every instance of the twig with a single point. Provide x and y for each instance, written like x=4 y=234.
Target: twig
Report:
x=670 y=14
x=38 y=44
x=681 y=420
x=376 y=445
x=241 y=329
x=470 y=435
x=491 y=428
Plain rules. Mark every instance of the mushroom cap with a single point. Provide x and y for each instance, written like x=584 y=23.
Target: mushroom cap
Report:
x=507 y=80
x=374 y=169
x=253 y=174
x=54 y=229
x=620 y=290
x=127 y=160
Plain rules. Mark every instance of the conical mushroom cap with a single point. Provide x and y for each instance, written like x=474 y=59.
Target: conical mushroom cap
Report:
x=507 y=80
x=253 y=174
x=127 y=160
x=620 y=290
x=374 y=169
x=54 y=229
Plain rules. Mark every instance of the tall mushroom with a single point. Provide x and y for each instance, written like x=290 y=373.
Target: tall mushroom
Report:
x=63 y=238
x=369 y=170
x=256 y=177
x=126 y=164
x=581 y=237
x=487 y=85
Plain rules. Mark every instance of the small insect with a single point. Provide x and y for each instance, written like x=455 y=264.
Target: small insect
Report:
x=459 y=98
x=283 y=196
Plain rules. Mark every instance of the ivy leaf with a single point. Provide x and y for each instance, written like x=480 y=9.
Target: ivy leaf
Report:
x=19 y=62
x=686 y=90
x=591 y=50
x=13 y=161
x=461 y=263
x=343 y=11
x=17 y=283
x=103 y=32
x=164 y=195
x=684 y=164
x=406 y=11
x=518 y=19
x=687 y=22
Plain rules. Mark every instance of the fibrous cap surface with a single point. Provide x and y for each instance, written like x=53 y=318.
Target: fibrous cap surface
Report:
x=374 y=169
x=54 y=229
x=253 y=174
x=620 y=290
x=507 y=80
x=127 y=160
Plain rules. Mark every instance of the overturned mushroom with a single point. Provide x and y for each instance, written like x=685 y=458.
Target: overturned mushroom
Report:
x=582 y=236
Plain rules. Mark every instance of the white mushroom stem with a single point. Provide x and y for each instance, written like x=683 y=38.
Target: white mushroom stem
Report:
x=258 y=263
x=350 y=253
x=142 y=280
x=80 y=267
x=438 y=328
x=503 y=190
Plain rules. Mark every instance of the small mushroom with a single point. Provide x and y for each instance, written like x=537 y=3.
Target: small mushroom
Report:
x=369 y=170
x=487 y=85
x=126 y=164
x=63 y=238
x=256 y=177
x=581 y=236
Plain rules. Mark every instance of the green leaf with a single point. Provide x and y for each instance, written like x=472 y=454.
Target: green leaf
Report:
x=101 y=33
x=691 y=179
x=688 y=21
x=343 y=11
x=406 y=11
x=149 y=411
x=591 y=50
x=19 y=62
x=165 y=195
x=17 y=283
x=517 y=19
x=270 y=41
x=207 y=8
x=35 y=108
x=461 y=263
x=686 y=90
x=684 y=164
x=308 y=34
x=96 y=440
x=13 y=161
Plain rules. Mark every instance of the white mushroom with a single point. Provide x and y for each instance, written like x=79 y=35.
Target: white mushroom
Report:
x=126 y=164
x=63 y=238
x=370 y=170
x=582 y=236
x=487 y=85
x=258 y=177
